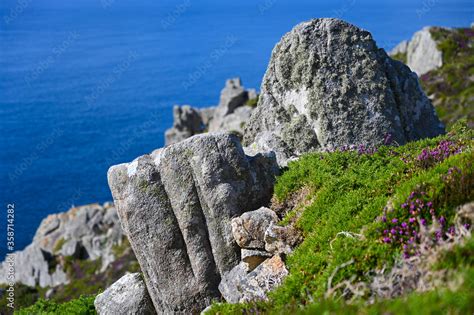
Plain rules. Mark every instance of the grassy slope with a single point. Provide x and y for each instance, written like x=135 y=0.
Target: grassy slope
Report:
x=350 y=192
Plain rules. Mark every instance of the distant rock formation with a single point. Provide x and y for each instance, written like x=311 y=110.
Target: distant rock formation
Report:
x=230 y=115
x=328 y=85
x=422 y=53
x=86 y=232
x=176 y=205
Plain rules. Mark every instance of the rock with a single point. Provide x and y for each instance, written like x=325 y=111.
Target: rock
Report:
x=34 y=266
x=229 y=285
x=238 y=286
x=176 y=205
x=234 y=122
x=126 y=296
x=249 y=229
x=401 y=48
x=328 y=85
x=187 y=122
x=229 y=116
x=423 y=54
x=233 y=97
x=281 y=239
x=254 y=257
x=86 y=232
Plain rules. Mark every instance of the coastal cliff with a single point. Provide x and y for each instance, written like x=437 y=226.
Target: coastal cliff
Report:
x=336 y=189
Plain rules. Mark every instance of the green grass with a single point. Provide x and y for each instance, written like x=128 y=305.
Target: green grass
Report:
x=350 y=192
x=83 y=305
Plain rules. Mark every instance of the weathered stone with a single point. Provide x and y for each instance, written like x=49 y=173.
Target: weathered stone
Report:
x=401 y=48
x=254 y=257
x=126 y=296
x=86 y=232
x=249 y=229
x=176 y=205
x=234 y=122
x=328 y=85
x=281 y=239
x=187 y=122
x=233 y=97
x=238 y=286
x=423 y=54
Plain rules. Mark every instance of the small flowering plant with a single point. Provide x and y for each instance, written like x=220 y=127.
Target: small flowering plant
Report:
x=404 y=229
x=431 y=156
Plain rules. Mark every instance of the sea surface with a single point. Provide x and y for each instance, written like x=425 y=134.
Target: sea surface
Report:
x=88 y=84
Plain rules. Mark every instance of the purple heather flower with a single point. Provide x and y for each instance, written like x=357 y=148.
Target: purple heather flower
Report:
x=404 y=225
x=411 y=220
x=423 y=221
x=387 y=240
x=394 y=220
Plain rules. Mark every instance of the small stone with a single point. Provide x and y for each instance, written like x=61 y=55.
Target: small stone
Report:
x=281 y=239
x=249 y=228
x=126 y=296
x=238 y=286
x=253 y=257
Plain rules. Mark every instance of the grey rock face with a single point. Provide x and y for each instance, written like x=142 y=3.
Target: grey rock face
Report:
x=232 y=97
x=423 y=54
x=187 y=122
x=238 y=286
x=249 y=229
x=328 y=85
x=176 y=205
x=401 y=48
x=126 y=296
x=86 y=232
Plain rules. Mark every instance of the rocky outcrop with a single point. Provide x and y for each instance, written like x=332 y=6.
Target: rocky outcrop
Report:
x=187 y=121
x=240 y=286
x=86 y=232
x=328 y=85
x=229 y=115
x=423 y=54
x=261 y=268
x=176 y=205
x=126 y=296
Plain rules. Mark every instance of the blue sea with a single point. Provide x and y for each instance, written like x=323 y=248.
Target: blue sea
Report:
x=87 y=84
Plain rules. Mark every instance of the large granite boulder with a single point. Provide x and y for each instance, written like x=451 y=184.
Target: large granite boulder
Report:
x=85 y=232
x=176 y=205
x=423 y=54
x=126 y=296
x=328 y=85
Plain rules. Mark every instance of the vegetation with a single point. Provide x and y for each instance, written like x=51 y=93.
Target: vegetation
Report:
x=83 y=305
x=452 y=85
x=400 y=57
x=360 y=203
x=252 y=102
x=86 y=280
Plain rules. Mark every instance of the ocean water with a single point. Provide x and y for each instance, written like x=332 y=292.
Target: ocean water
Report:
x=91 y=83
